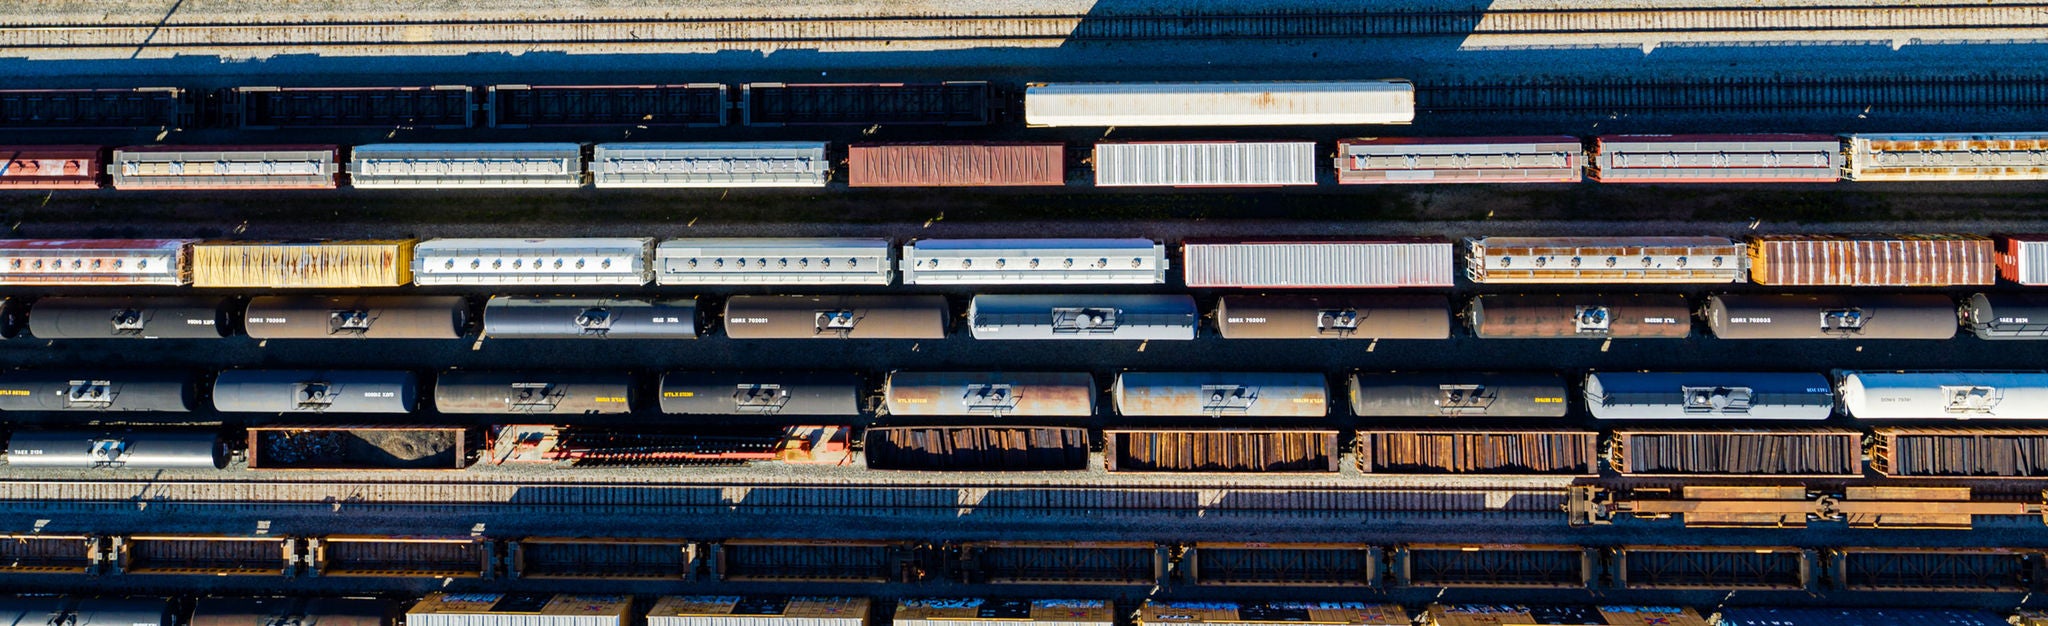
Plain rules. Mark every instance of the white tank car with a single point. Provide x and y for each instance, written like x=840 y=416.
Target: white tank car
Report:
x=1945 y=395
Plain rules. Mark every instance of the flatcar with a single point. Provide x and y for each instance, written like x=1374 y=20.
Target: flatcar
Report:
x=761 y=393
x=1945 y=395
x=2006 y=315
x=511 y=317
x=166 y=317
x=1580 y=316
x=1458 y=394
x=108 y=390
x=1303 y=316
x=836 y=317
x=1896 y=316
x=1709 y=395
x=529 y=393
x=1082 y=316
x=1221 y=394
x=313 y=391
x=126 y=449
x=989 y=394
x=356 y=317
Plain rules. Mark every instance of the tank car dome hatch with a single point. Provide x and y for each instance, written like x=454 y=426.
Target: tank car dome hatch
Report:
x=140 y=450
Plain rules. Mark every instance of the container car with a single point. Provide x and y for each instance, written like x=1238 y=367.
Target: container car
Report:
x=710 y=164
x=1204 y=163
x=1580 y=316
x=95 y=261
x=770 y=261
x=989 y=394
x=1302 y=316
x=1605 y=260
x=1221 y=451
x=951 y=103
x=79 y=109
x=2023 y=259
x=513 y=317
x=1947 y=157
x=356 y=317
x=2006 y=315
x=836 y=317
x=1945 y=395
x=1776 y=453
x=225 y=167
x=523 y=393
x=1872 y=261
x=1709 y=395
x=1219 y=104
x=136 y=450
x=314 y=391
x=956 y=165
x=554 y=261
x=98 y=390
x=977 y=448
x=168 y=317
x=1716 y=158
x=281 y=265
x=50 y=167
x=1458 y=394
x=1317 y=264
x=694 y=105
x=466 y=165
x=1226 y=613
x=758 y=610
x=1901 y=316
x=1412 y=160
x=1518 y=452
x=1221 y=394
x=359 y=447
x=1083 y=316
x=762 y=393
x=1033 y=262
x=446 y=107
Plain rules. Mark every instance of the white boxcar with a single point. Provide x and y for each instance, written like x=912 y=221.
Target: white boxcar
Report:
x=1639 y=260
x=95 y=261
x=1083 y=316
x=1951 y=156
x=224 y=167
x=1393 y=160
x=1318 y=264
x=736 y=164
x=1219 y=104
x=1945 y=395
x=1034 y=262
x=475 y=165
x=758 y=610
x=497 y=609
x=561 y=261
x=1717 y=158
x=774 y=261
x=1205 y=163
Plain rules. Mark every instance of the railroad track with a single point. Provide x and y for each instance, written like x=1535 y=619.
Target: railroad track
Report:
x=1743 y=95
x=1891 y=23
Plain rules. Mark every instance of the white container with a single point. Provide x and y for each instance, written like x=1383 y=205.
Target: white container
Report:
x=1205 y=164
x=1219 y=104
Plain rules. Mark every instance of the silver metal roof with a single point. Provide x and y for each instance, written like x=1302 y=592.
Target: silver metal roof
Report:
x=723 y=164
x=440 y=165
x=559 y=261
x=1205 y=164
x=774 y=261
x=251 y=168
x=1319 y=264
x=1034 y=261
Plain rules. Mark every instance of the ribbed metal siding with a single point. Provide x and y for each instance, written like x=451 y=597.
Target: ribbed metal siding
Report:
x=734 y=164
x=1643 y=260
x=2024 y=261
x=1958 y=156
x=1900 y=261
x=1205 y=164
x=1319 y=264
x=294 y=265
x=563 y=261
x=506 y=619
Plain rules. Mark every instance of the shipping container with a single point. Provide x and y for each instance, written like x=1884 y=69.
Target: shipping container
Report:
x=796 y=560
x=710 y=165
x=225 y=167
x=1599 y=260
x=161 y=391
x=989 y=394
x=1003 y=612
x=836 y=317
x=765 y=261
x=1458 y=394
x=73 y=611
x=957 y=165
x=1226 y=613
x=533 y=393
x=580 y=446
x=1220 y=104
x=280 y=265
x=1324 y=264
x=466 y=165
x=48 y=553
x=95 y=261
x=50 y=167
x=1885 y=316
x=1945 y=395
x=1496 y=566
x=1709 y=395
x=1713 y=568
x=1948 y=157
x=134 y=450
x=695 y=105
x=758 y=610
x=359 y=447
x=1951 y=452
x=1302 y=316
x=1226 y=451
x=1034 y=262
x=301 y=611
x=601 y=558
x=1716 y=159
x=1221 y=394
x=314 y=391
x=1780 y=453
x=952 y=103
x=559 y=261
x=171 y=317
x=411 y=556
x=1518 y=615
x=1062 y=562
x=440 y=107
x=511 y=317
x=520 y=609
x=1980 y=570
x=1083 y=316
x=762 y=393
x=1764 y=616
x=1406 y=160
x=1580 y=316
x=75 y=109
x=356 y=317
x=205 y=555
x=2023 y=259
x=1281 y=564
x=1204 y=163
x=1872 y=260
x=1467 y=452
x=977 y=448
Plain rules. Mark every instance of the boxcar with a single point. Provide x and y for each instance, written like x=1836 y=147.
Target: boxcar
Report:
x=510 y=317
x=1083 y=316
x=130 y=318
x=1333 y=317
x=989 y=394
x=1709 y=395
x=1580 y=316
x=269 y=108
x=1221 y=394
x=1945 y=395
x=693 y=105
x=356 y=317
x=1458 y=394
x=555 y=261
x=472 y=165
x=953 y=103
x=1397 y=160
x=1219 y=104
x=98 y=390
x=1603 y=260
x=1872 y=260
x=533 y=393
x=836 y=317
x=1717 y=159
x=95 y=261
x=956 y=165
x=312 y=391
x=280 y=265
x=225 y=167
x=1945 y=157
x=767 y=261
x=1896 y=316
x=1323 y=264
x=2006 y=315
x=1205 y=163
x=1034 y=262
x=731 y=164
x=50 y=167
x=136 y=450
x=762 y=393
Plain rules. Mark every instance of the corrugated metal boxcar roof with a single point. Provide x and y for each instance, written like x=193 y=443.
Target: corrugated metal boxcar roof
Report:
x=956 y=165
x=721 y=164
x=1951 y=156
x=2023 y=259
x=1548 y=159
x=755 y=610
x=497 y=609
x=1872 y=260
x=997 y=612
x=1220 y=104
x=560 y=261
x=775 y=261
x=1318 y=264
x=1205 y=164
x=94 y=261
x=366 y=263
x=1156 y=612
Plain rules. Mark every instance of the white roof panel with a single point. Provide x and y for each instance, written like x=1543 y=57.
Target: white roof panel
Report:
x=1034 y=261
x=774 y=261
x=559 y=261
x=729 y=164
x=1948 y=156
x=1219 y=104
x=1319 y=264
x=495 y=165
x=1205 y=164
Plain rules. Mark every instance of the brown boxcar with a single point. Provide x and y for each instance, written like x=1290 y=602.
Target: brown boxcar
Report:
x=50 y=167
x=956 y=165
x=1872 y=260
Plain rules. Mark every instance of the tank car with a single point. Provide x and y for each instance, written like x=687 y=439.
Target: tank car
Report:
x=1083 y=316
x=1580 y=316
x=1709 y=395
x=1945 y=395
x=356 y=317
x=314 y=391
x=992 y=394
x=508 y=317
x=836 y=317
x=1333 y=317
x=1458 y=394
x=111 y=390
x=761 y=393
x=1876 y=316
x=84 y=449
x=2006 y=315
x=130 y=318
x=520 y=393
x=1221 y=394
